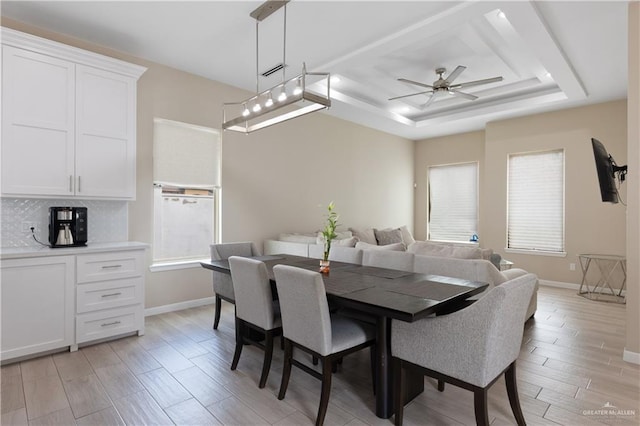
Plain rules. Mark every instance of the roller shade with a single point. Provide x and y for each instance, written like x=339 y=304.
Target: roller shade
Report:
x=536 y=201
x=185 y=155
x=453 y=202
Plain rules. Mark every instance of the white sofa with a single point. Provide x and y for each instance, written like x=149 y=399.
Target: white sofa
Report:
x=477 y=269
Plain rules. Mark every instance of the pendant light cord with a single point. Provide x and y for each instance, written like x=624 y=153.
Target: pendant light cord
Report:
x=284 y=47
x=257 y=50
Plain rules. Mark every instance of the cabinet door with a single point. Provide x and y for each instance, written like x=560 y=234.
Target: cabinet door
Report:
x=105 y=147
x=38 y=128
x=37 y=298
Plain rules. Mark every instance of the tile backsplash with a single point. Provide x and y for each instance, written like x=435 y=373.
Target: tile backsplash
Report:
x=108 y=220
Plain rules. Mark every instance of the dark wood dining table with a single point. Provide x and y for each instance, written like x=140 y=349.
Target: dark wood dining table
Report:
x=382 y=294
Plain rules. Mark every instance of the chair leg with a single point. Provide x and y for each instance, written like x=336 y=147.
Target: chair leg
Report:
x=398 y=396
x=239 y=343
x=327 y=366
x=512 y=392
x=286 y=370
x=480 y=406
x=216 y=318
x=268 y=352
x=441 y=385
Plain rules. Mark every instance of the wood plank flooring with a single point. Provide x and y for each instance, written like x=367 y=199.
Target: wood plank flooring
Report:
x=569 y=368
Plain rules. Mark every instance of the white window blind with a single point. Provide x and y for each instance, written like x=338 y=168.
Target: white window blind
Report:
x=536 y=201
x=453 y=202
x=185 y=154
x=186 y=177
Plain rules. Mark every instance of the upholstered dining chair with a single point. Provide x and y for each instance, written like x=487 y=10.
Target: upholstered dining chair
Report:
x=400 y=260
x=255 y=309
x=308 y=326
x=222 y=283
x=470 y=348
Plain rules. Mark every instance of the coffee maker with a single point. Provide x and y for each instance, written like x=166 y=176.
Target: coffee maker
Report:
x=67 y=226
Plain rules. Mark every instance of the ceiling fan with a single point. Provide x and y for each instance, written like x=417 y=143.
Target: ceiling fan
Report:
x=443 y=85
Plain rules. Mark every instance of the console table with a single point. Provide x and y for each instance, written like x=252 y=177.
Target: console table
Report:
x=606 y=266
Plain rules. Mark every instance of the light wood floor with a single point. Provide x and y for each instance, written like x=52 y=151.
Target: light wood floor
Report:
x=570 y=366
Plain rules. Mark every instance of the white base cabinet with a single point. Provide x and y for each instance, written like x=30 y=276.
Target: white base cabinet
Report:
x=51 y=302
x=38 y=305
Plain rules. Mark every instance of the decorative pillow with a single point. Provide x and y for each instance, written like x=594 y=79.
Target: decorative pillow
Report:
x=340 y=236
x=388 y=236
x=365 y=235
x=407 y=238
x=346 y=242
x=390 y=247
x=298 y=238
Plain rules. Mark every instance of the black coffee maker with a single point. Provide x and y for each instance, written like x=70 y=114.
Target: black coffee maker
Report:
x=67 y=226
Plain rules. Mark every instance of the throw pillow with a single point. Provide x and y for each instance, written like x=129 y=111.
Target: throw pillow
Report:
x=407 y=238
x=388 y=236
x=390 y=247
x=365 y=235
x=346 y=242
x=340 y=236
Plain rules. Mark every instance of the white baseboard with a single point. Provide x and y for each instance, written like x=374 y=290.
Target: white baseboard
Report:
x=559 y=284
x=632 y=357
x=179 y=306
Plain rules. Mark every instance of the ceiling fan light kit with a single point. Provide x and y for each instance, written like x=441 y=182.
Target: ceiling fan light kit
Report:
x=443 y=85
x=261 y=110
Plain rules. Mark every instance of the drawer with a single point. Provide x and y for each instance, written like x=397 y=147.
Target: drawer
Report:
x=107 y=266
x=107 y=323
x=109 y=294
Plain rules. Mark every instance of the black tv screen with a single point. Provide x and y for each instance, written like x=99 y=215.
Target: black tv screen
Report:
x=606 y=177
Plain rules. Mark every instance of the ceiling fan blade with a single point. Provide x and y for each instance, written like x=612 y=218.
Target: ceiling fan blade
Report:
x=413 y=94
x=417 y=83
x=462 y=95
x=455 y=73
x=429 y=102
x=476 y=83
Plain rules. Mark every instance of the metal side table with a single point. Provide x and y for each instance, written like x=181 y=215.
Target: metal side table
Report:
x=606 y=266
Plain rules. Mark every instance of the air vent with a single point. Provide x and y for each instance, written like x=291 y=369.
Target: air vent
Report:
x=272 y=70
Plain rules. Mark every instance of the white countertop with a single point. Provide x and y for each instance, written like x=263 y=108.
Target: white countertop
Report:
x=24 y=252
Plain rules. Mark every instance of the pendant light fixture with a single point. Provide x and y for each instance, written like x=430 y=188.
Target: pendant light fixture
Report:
x=290 y=99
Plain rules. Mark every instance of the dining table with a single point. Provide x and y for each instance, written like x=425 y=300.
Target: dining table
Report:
x=382 y=295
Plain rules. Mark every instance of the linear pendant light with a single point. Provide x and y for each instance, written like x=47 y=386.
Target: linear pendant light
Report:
x=289 y=99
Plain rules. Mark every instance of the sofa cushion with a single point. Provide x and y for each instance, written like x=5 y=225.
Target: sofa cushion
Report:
x=365 y=235
x=444 y=250
x=388 y=236
x=298 y=238
x=367 y=246
x=346 y=242
x=339 y=236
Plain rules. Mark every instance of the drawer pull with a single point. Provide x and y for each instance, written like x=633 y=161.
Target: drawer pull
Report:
x=111 y=294
x=111 y=266
x=106 y=324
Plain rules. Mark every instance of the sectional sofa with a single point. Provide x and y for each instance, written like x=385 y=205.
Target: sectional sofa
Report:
x=466 y=262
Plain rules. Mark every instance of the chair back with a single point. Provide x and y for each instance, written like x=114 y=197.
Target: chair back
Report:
x=304 y=308
x=225 y=250
x=252 y=288
x=501 y=313
x=400 y=260
x=346 y=254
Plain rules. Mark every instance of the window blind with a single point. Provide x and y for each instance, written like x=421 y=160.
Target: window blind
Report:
x=453 y=202
x=536 y=201
x=185 y=155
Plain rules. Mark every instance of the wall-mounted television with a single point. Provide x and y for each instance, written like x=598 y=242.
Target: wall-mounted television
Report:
x=608 y=172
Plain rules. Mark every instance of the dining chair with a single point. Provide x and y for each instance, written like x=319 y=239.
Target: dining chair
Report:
x=255 y=309
x=470 y=348
x=346 y=254
x=222 y=283
x=307 y=325
x=399 y=260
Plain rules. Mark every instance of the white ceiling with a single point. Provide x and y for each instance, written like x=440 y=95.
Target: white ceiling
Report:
x=552 y=54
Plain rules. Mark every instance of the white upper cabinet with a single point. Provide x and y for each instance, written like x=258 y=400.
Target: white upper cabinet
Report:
x=68 y=121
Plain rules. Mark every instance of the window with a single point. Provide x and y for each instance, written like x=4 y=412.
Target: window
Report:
x=536 y=202
x=186 y=179
x=453 y=202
